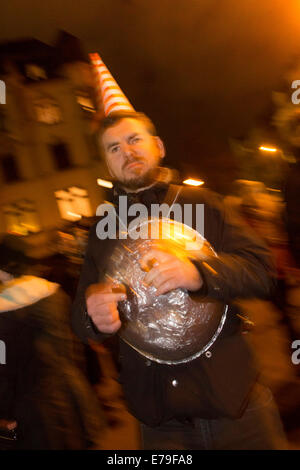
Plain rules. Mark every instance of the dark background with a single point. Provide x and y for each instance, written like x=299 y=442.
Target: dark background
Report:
x=203 y=70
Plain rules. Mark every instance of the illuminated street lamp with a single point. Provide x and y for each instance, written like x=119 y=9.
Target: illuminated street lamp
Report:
x=74 y=215
x=104 y=183
x=267 y=149
x=192 y=182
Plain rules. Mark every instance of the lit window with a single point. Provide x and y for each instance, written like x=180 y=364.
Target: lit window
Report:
x=85 y=103
x=47 y=111
x=35 y=72
x=21 y=217
x=73 y=203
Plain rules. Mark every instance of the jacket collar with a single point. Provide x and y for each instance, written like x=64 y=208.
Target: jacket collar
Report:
x=155 y=194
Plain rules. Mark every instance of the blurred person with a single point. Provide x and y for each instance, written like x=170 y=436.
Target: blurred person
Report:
x=292 y=197
x=292 y=217
x=43 y=394
x=274 y=323
x=266 y=214
x=211 y=402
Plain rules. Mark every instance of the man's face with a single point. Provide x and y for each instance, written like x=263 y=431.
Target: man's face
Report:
x=131 y=153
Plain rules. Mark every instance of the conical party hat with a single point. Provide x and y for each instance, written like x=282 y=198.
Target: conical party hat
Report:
x=109 y=95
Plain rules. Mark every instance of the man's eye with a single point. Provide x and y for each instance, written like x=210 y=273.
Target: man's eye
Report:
x=135 y=140
x=114 y=149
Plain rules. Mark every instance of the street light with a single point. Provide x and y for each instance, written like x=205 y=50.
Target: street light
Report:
x=74 y=215
x=192 y=182
x=104 y=183
x=267 y=149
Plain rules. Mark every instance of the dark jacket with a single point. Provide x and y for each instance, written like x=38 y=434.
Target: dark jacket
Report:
x=215 y=384
x=41 y=385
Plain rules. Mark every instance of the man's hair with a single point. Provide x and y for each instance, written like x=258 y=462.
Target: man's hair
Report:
x=113 y=119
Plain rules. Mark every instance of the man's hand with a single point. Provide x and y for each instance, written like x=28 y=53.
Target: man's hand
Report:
x=169 y=271
x=101 y=303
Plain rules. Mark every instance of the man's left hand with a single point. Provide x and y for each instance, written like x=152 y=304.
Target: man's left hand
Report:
x=168 y=271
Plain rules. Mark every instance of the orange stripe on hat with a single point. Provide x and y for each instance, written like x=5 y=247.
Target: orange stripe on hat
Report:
x=109 y=94
x=116 y=107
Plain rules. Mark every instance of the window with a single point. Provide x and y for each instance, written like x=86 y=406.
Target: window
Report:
x=92 y=146
x=35 y=72
x=47 y=111
x=85 y=102
x=61 y=156
x=73 y=203
x=21 y=217
x=10 y=168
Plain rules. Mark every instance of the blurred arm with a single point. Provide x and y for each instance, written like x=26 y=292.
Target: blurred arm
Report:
x=82 y=324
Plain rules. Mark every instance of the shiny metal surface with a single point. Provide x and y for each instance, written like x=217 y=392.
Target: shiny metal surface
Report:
x=175 y=327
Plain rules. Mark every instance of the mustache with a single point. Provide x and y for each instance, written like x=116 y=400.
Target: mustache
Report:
x=132 y=160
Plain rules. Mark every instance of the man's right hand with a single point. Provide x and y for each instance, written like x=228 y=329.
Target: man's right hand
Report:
x=101 y=301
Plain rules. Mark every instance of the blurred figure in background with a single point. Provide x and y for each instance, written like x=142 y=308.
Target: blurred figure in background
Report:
x=42 y=389
x=292 y=218
x=274 y=324
x=265 y=212
x=292 y=197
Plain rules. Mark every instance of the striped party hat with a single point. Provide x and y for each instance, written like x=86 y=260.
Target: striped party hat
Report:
x=110 y=97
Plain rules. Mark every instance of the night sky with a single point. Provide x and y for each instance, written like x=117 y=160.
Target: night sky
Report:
x=203 y=70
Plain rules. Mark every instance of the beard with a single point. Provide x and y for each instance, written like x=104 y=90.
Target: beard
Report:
x=139 y=181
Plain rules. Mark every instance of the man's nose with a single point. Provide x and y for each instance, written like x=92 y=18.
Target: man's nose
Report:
x=127 y=150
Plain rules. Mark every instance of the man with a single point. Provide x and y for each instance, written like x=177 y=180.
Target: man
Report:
x=212 y=402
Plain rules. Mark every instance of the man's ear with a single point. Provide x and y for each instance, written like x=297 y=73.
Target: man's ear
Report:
x=161 y=146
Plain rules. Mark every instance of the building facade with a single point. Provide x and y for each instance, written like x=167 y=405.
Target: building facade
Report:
x=49 y=160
